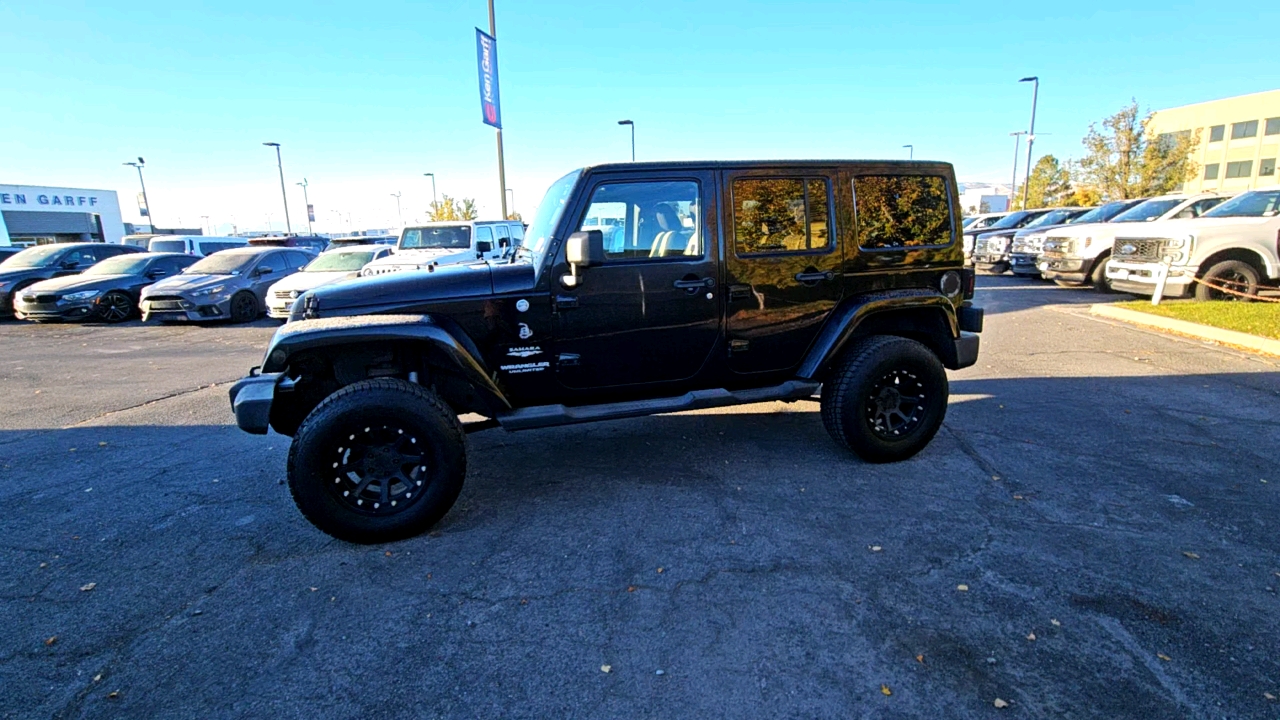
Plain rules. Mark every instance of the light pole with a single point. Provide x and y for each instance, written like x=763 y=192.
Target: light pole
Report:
x=151 y=219
x=1031 y=133
x=912 y=154
x=633 y=137
x=511 y=202
x=1013 y=183
x=396 y=195
x=434 y=201
x=288 y=226
x=307 y=201
x=205 y=218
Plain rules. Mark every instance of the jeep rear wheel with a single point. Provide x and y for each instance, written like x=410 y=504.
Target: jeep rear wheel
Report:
x=886 y=399
x=378 y=460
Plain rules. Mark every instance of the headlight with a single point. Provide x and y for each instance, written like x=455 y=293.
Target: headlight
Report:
x=76 y=297
x=209 y=291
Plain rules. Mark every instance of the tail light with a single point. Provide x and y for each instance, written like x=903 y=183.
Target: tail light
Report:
x=967 y=280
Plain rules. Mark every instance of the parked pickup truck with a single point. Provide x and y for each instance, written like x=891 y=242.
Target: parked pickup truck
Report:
x=721 y=283
x=1078 y=255
x=1228 y=253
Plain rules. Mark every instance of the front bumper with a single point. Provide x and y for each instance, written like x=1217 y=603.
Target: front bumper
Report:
x=1139 y=278
x=1066 y=269
x=279 y=312
x=184 y=309
x=60 y=310
x=1024 y=264
x=251 y=399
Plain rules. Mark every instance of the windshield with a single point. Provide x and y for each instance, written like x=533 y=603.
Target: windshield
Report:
x=1053 y=217
x=222 y=264
x=1148 y=210
x=340 y=262
x=538 y=237
x=174 y=246
x=1012 y=220
x=453 y=237
x=1259 y=203
x=39 y=256
x=1103 y=213
x=120 y=265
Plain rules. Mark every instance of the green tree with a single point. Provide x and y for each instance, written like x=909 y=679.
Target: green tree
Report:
x=1049 y=183
x=1125 y=159
x=453 y=209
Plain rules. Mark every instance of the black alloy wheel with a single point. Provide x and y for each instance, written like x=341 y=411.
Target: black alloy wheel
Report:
x=1098 y=278
x=244 y=307
x=115 y=307
x=1233 y=275
x=378 y=460
x=886 y=398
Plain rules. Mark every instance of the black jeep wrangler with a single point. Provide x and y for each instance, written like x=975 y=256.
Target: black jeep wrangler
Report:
x=640 y=288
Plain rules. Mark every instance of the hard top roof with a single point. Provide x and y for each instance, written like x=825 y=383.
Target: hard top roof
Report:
x=921 y=165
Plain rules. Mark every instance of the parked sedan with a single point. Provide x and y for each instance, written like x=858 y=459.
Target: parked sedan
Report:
x=7 y=252
x=227 y=285
x=107 y=292
x=48 y=261
x=337 y=264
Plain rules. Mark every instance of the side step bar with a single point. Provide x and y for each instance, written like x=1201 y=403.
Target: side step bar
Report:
x=541 y=416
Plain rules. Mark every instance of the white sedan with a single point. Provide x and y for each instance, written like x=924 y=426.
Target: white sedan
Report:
x=337 y=264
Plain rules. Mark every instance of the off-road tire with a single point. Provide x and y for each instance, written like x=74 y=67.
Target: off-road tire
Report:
x=364 y=409
x=1098 y=277
x=112 y=304
x=1239 y=276
x=242 y=310
x=849 y=395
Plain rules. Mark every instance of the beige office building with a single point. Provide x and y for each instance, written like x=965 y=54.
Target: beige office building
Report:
x=1239 y=138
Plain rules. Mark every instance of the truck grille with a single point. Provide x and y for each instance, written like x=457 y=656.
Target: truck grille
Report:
x=1137 y=249
x=165 y=304
x=284 y=294
x=1057 y=246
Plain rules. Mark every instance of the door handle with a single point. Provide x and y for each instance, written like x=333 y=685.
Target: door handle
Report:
x=813 y=277
x=739 y=292
x=695 y=284
x=566 y=302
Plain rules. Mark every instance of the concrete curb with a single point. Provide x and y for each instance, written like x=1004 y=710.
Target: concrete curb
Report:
x=1182 y=327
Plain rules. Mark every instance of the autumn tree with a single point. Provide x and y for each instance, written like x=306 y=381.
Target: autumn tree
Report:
x=1125 y=159
x=1048 y=186
x=453 y=209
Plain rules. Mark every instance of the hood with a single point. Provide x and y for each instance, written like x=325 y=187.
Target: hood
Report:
x=1005 y=232
x=1023 y=232
x=186 y=283
x=409 y=289
x=79 y=283
x=1088 y=229
x=423 y=257
x=303 y=281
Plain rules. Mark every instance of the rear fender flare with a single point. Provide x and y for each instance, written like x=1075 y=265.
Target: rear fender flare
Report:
x=854 y=311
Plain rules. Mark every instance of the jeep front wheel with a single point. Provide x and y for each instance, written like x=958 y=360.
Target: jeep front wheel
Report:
x=378 y=460
x=886 y=399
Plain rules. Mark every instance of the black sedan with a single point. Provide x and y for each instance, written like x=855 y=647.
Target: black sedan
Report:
x=8 y=251
x=43 y=262
x=106 y=292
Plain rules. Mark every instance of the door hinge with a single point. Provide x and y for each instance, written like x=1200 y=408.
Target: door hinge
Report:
x=737 y=347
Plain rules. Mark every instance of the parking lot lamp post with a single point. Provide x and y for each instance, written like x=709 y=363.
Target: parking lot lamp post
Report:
x=434 y=201
x=151 y=219
x=396 y=195
x=205 y=218
x=280 y=165
x=1013 y=183
x=912 y=154
x=307 y=201
x=1031 y=134
x=633 y=137
x=511 y=203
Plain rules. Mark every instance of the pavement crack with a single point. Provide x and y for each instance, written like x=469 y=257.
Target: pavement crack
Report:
x=145 y=403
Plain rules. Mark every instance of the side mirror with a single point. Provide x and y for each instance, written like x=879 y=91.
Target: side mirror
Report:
x=263 y=271
x=583 y=250
x=69 y=264
x=484 y=246
x=157 y=273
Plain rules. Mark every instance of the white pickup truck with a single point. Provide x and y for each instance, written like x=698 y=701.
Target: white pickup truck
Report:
x=1077 y=254
x=448 y=243
x=1236 y=245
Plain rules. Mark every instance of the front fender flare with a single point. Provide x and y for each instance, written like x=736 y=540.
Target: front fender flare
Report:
x=452 y=348
x=852 y=311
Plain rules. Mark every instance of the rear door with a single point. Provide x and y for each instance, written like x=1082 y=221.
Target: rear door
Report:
x=651 y=312
x=782 y=262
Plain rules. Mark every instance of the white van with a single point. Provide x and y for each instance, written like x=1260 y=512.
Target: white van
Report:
x=198 y=245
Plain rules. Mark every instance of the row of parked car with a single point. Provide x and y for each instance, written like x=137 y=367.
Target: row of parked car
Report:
x=1226 y=241
x=203 y=278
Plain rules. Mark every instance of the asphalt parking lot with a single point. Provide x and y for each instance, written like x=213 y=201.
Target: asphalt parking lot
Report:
x=1092 y=534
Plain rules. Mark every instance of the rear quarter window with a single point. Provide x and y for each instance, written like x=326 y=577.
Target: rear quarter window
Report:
x=902 y=211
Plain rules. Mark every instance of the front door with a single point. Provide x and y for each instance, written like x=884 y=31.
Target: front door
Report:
x=783 y=264
x=651 y=312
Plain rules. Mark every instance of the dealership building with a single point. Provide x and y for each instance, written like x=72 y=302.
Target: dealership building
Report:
x=1239 y=140
x=31 y=215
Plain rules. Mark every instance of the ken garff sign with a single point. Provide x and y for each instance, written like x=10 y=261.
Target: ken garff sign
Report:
x=487 y=59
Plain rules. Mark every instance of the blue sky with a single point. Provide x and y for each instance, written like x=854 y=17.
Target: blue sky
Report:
x=365 y=97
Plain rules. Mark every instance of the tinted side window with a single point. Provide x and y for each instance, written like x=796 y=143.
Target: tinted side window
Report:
x=484 y=234
x=780 y=215
x=503 y=233
x=81 y=258
x=297 y=259
x=646 y=220
x=276 y=262
x=517 y=232
x=898 y=211
x=173 y=266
